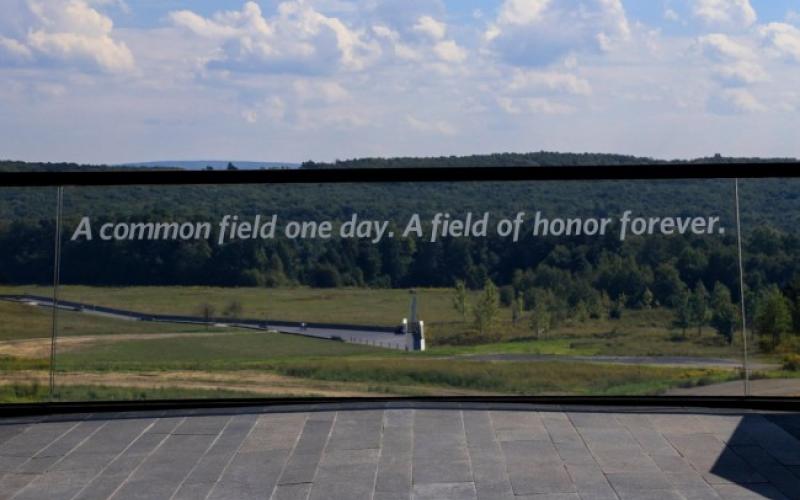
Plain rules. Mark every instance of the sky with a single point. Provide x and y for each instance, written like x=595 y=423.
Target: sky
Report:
x=114 y=81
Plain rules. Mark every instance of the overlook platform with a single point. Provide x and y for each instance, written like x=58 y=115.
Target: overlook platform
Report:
x=402 y=451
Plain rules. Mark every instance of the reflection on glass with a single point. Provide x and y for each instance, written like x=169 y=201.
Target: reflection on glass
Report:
x=534 y=288
x=770 y=210
x=27 y=237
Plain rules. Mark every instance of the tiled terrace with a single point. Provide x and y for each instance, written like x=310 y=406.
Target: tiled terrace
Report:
x=392 y=452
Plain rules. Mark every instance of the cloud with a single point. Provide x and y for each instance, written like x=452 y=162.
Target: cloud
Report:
x=539 y=32
x=449 y=51
x=722 y=47
x=737 y=63
x=62 y=32
x=320 y=92
x=432 y=42
x=297 y=39
x=671 y=15
x=431 y=27
x=725 y=13
x=735 y=101
x=533 y=105
x=440 y=127
x=549 y=82
x=782 y=39
x=14 y=51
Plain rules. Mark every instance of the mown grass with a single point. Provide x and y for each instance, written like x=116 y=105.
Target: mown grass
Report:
x=231 y=351
x=21 y=321
x=638 y=333
x=541 y=378
x=34 y=392
x=342 y=305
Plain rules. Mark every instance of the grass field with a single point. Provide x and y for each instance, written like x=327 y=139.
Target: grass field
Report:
x=21 y=321
x=107 y=358
x=33 y=392
x=639 y=332
x=342 y=305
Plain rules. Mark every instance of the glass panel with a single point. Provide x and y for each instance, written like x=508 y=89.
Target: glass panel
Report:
x=400 y=289
x=770 y=211
x=27 y=243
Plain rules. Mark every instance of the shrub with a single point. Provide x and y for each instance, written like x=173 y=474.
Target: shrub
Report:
x=792 y=362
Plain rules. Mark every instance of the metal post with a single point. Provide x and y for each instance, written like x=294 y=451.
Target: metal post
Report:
x=741 y=289
x=56 y=279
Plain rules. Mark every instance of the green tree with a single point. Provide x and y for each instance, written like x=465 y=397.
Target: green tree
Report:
x=682 y=310
x=773 y=317
x=542 y=320
x=617 y=307
x=517 y=309
x=667 y=284
x=486 y=310
x=647 y=298
x=698 y=306
x=724 y=316
x=233 y=310
x=460 y=299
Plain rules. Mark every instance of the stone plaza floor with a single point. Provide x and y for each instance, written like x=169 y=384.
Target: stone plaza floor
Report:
x=402 y=451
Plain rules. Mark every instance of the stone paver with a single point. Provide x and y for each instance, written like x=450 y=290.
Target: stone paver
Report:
x=411 y=452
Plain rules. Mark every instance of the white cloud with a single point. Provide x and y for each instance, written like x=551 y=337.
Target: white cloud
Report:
x=419 y=49
x=323 y=92
x=733 y=101
x=722 y=47
x=440 y=127
x=297 y=39
x=14 y=51
x=725 y=13
x=671 y=15
x=741 y=73
x=737 y=63
x=67 y=32
x=782 y=39
x=449 y=51
x=533 y=105
x=539 y=32
x=549 y=82
x=522 y=12
x=431 y=27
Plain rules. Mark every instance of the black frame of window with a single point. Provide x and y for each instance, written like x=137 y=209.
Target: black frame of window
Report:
x=165 y=177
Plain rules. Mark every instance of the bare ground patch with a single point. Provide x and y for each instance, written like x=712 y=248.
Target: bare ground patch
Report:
x=40 y=347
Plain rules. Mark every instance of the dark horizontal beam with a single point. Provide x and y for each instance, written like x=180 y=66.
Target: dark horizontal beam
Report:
x=433 y=174
x=655 y=403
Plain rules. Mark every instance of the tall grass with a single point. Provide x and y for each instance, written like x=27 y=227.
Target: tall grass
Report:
x=507 y=378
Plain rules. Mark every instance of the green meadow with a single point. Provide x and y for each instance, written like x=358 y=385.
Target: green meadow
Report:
x=96 y=354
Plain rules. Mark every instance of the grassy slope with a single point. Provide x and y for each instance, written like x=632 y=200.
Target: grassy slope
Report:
x=20 y=321
x=33 y=392
x=638 y=333
x=222 y=352
x=321 y=360
x=342 y=305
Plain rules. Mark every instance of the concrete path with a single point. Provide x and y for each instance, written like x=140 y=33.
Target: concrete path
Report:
x=388 y=452
x=677 y=361
x=787 y=388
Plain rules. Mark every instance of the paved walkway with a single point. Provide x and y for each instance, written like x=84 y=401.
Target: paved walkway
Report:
x=777 y=387
x=401 y=453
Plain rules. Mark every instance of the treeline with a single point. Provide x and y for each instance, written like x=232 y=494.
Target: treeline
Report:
x=533 y=159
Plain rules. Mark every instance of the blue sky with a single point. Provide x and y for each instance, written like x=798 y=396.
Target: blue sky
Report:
x=134 y=80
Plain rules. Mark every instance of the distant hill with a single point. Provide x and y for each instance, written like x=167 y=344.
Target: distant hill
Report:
x=533 y=159
x=216 y=165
